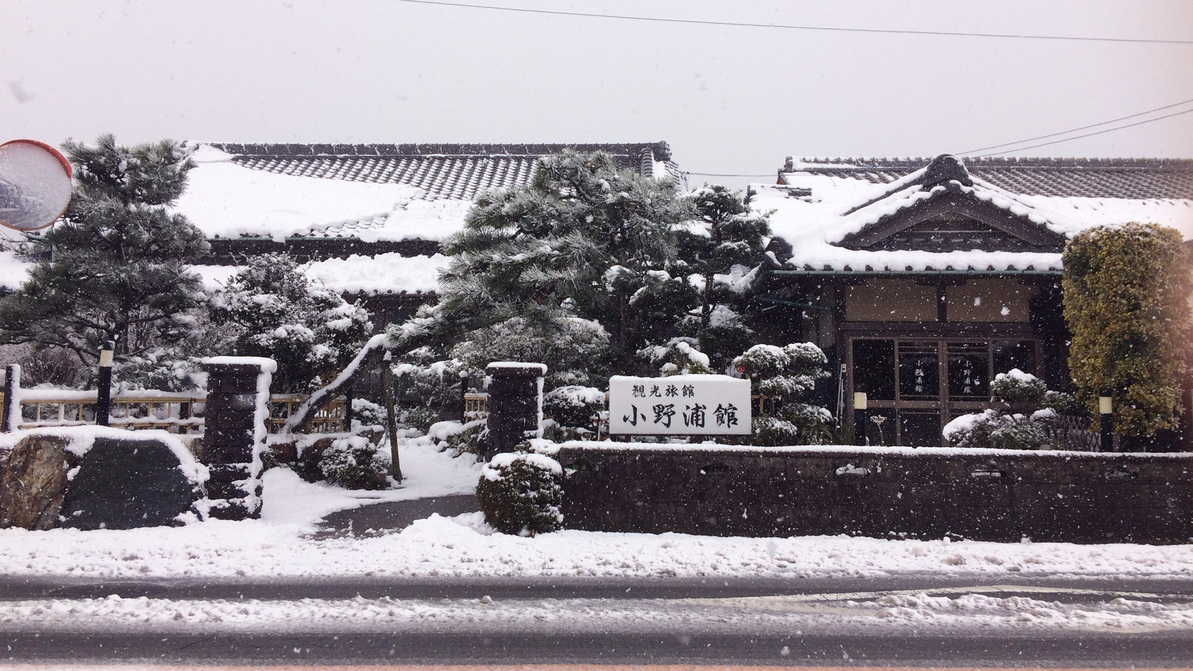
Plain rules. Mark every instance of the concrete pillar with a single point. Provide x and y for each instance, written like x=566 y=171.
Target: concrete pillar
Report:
x=515 y=404
x=234 y=433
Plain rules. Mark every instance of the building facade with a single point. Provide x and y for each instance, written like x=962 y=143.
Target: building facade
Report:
x=923 y=279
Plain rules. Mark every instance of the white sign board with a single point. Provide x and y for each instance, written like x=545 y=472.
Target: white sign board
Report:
x=681 y=405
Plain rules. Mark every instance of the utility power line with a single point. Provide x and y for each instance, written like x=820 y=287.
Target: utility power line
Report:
x=1099 y=132
x=1081 y=128
x=782 y=26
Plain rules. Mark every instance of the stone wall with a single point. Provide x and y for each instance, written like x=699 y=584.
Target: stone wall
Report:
x=881 y=492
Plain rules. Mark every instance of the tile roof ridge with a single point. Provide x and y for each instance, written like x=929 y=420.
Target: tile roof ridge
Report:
x=1037 y=162
x=661 y=149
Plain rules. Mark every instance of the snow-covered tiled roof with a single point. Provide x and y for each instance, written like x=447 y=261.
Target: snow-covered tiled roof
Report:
x=821 y=205
x=451 y=171
x=371 y=192
x=1130 y=178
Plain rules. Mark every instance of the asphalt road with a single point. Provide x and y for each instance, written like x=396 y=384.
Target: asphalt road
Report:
x=620 y=648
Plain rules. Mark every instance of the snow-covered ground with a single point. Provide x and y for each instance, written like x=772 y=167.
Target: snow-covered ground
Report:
x=907 y=613
x=281 y=545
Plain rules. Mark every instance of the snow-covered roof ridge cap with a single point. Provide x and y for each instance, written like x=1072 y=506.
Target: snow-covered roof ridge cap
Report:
x=943 y=169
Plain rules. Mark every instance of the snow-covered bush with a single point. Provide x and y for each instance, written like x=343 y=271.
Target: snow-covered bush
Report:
x=165 y=368
x=426 y=386
x=469 y=439
x=573 y=411
x=1031 y=411
x=784 y=374
x=521 y=493
x=678 y=357
x=354 y=462
x=794 y=424
x=367 y=413
x=1018 y=388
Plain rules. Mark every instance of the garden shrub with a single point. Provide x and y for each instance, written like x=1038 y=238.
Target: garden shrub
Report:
x=1027 y=429
x=521 y=493
x=785 y=374
x=573 y=411
x=365 y=413
x=353 y=462
x=468 y=439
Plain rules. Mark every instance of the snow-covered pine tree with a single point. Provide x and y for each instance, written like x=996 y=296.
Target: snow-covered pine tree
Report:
x=581 y=240
x=783 y=375
x=270 y=308
x=727 y=254
x=117 y=263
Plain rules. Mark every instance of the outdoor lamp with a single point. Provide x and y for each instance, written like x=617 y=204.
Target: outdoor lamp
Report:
x=103 y=393
x=859 y=418
x=1105 y=423
x=463 y=396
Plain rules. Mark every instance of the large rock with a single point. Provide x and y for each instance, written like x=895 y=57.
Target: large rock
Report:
x=124 y=483
x=33 y=481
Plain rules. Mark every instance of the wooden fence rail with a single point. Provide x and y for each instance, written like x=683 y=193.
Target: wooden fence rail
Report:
x=174 y=413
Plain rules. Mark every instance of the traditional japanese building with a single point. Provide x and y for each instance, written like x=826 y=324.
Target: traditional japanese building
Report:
x=922 y=279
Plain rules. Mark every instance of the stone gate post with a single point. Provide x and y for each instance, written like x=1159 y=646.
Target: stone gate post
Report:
x=515 y=404
x=234 y=434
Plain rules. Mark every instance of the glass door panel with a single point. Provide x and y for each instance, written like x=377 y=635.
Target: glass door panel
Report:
x=1008 y=354
x=919 y=371
x=969 y=368
x=874 y=368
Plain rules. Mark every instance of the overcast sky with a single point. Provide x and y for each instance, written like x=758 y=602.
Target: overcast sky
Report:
x=728 y=99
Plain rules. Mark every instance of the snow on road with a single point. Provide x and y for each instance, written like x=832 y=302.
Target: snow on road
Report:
x=890 y=613
x=280 y=546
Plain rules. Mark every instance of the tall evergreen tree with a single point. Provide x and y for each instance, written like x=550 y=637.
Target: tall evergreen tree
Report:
x=1126 y=293
x=727 y=255
x=118 y=264
x=581 y=240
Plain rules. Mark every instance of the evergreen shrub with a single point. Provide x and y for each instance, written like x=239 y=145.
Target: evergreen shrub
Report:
x=354 y=462
x=1029 y=411
x=785 y=374
x=521 y=493
x=574 y=412
x=1126 y=292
